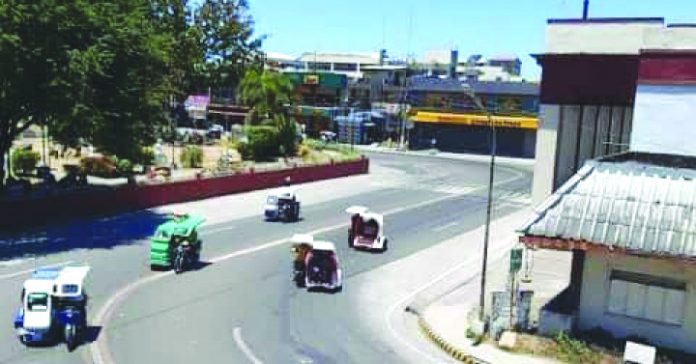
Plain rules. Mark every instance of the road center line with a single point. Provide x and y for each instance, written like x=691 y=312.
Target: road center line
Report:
x=99 y=349
x=445 y=226
x=237 y=333
x=23 y=272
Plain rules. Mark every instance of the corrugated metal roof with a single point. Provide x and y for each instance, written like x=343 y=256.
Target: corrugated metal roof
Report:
x=637 y=206
x=506 y=88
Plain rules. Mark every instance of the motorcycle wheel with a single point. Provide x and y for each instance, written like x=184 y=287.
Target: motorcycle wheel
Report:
x=70 y=336
x=179 y=264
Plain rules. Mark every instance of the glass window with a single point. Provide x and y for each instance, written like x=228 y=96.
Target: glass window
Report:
x=345 y=67
x=320 y=66
x=272 y=200
x=70 y=288
x=37 y=302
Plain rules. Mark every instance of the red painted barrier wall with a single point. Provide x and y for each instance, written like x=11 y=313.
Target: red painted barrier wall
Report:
x=28 y=212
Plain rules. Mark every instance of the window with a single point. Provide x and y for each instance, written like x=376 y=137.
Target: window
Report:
x=646 y=297
x=345 y=67
x=70 y=288
x=319 y=66
x=37 y=302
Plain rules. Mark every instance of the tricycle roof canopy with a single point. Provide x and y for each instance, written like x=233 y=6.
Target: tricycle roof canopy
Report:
x=181 y=225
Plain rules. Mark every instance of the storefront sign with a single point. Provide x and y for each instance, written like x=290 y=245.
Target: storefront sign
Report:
x=477 y=120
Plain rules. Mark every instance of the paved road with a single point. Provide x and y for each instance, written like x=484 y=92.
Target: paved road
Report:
x=245 y=308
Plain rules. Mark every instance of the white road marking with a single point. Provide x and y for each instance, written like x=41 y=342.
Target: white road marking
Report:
x=9 y=263
x=218 y=230
x=445 y=226
x=427 y=285
x=99 y=349
x=237 y=333
x=422 y=288
x=23 y=272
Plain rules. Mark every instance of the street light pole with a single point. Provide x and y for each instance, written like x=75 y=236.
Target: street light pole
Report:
x=489 y=207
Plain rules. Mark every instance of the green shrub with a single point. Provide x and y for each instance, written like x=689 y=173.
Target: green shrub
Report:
x=124 y=166
x=262 y=143
x=101 y=166
x=192 y=157
x=304 y=151
x=572 y=350
x=24 y=160
x=287 y=135
x=146 y=156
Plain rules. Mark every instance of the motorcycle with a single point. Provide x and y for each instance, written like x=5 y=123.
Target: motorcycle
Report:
x=185 y=257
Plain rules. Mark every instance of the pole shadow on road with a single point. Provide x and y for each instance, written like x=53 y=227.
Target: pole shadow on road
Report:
x=101 y=233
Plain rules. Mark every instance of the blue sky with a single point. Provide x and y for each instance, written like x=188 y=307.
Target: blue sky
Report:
x=472 y=26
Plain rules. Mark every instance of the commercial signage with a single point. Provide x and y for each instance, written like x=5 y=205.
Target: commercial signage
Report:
x=311 y=79
x=476 y=120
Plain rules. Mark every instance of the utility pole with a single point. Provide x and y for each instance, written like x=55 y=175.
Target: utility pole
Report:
x=585 y=9
x=489 y=206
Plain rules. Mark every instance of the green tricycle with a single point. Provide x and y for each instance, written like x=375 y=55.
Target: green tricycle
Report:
x=176 y=244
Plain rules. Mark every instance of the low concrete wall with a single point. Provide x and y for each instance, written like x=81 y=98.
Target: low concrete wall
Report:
x=31 y=212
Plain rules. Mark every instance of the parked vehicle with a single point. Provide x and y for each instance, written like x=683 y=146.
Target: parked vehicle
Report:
x=54 y=306
x=316 y=264
x=282 y=205
x=328 y=136
x=366 y=229
x=175 y=243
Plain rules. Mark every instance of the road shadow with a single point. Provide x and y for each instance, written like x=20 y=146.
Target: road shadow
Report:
x=91 y=334
x=325 y=290
x=95 y=233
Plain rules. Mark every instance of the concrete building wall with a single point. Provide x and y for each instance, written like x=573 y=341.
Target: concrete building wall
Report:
x=619 y=37
x=569 y=135
x=664 y=119
x=547 y=137
x=593 y=309
x=670 y=38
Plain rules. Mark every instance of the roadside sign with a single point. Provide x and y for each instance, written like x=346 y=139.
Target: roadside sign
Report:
x=515 y=260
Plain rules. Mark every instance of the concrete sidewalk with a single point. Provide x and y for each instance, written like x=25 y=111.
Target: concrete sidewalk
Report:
x=444 y=308
x=478 y=158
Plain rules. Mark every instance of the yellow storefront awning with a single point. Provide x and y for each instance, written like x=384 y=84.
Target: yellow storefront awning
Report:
x=476 y=119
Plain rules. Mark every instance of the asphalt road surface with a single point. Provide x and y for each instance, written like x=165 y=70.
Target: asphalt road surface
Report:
x=241 y=307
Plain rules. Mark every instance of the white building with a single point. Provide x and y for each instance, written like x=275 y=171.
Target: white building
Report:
x=618 y=150
x=349 y=64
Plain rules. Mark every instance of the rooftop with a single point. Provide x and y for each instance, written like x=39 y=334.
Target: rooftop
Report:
x=640 y=203
x=505 y=88
x=363 y=58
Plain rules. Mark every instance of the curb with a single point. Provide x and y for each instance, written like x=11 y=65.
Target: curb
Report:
x=508 y=161
x=450 y=349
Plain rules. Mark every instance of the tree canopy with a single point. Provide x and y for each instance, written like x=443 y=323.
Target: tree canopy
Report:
x=106 y=72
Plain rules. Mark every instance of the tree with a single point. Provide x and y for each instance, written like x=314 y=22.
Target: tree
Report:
x=267 y=93
x=230 y=48
x=47 y=51
x=187 y=61
x=103 y=71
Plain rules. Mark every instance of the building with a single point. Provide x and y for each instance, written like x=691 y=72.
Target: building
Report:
x=617 y=144
x=509 y=63
x=349 y=64
x=319 y=98
x=589 y=73
x=443 y=112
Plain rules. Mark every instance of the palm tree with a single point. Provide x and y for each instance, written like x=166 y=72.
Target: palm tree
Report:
x=266 y=92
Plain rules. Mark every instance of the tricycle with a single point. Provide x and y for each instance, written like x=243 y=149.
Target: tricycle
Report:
x=316 y=264
x=54 y=305
x=176 y=244
x=366 y=229
x=282 y=205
